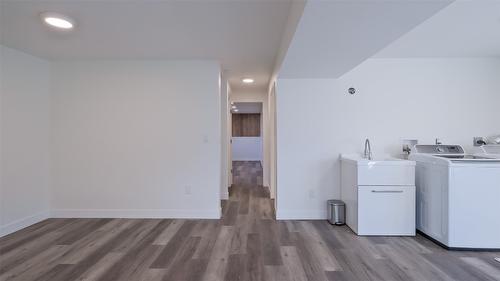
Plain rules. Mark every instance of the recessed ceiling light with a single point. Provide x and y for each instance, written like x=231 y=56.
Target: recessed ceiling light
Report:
x=235 y=110
x=233 y=106
x=247 y=80
x=58 y=20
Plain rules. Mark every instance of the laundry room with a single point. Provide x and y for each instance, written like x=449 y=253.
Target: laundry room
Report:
x=269 y=140
x=422 y=89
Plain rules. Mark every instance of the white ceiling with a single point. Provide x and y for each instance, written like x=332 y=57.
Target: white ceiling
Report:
x=334 y=36
x=464 y=29
x=244 y=36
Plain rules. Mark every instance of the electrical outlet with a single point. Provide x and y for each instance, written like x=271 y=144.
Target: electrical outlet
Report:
x=187 y=190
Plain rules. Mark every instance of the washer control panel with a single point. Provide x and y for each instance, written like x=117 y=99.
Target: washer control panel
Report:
x=439 y=149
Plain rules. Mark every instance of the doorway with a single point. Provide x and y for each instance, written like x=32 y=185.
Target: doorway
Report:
x=246 y=131
x=248 y=196
x=249 y=175
x=246 y=143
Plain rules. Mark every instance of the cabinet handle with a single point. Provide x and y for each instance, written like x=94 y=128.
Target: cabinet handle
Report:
x=387 y=191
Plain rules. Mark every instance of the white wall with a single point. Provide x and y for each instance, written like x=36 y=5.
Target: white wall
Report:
x=24 y=140
x=136 y=139
x=272 y=142
x=224 y=112
x=247 y=149
x=453 y=99
x=228 y=142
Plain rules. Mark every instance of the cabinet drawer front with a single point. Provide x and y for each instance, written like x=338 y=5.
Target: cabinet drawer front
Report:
x=386 y=175
x=386 y=210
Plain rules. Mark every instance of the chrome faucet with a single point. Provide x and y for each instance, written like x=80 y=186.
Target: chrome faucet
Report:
x=368 y=150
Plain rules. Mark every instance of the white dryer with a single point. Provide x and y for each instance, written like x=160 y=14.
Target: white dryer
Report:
x=458 y=197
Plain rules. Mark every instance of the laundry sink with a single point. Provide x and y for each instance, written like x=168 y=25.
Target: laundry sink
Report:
x=381 y=170
x=379 y=195
x=378 y=160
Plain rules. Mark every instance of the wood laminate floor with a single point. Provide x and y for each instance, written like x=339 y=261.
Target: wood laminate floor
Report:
x=246 y=244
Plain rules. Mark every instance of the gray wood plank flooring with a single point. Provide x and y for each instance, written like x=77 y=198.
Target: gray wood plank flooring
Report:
x=246 y=244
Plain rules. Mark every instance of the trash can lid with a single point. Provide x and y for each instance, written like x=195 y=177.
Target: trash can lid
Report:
x=335 y=202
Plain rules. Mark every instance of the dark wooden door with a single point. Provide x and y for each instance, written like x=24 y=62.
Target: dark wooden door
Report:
x=246 y=125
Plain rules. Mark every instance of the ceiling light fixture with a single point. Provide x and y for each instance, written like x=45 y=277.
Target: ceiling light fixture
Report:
x=235 y=110
x=247 y=80
x=58 y=20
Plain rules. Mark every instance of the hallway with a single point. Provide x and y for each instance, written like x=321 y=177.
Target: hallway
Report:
x=249 y=201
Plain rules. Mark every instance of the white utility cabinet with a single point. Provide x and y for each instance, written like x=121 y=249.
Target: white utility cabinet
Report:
x=379 y=195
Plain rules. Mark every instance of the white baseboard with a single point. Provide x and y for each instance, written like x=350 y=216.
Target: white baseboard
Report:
x=301 y=214
x=136 y=213
x=23 y=223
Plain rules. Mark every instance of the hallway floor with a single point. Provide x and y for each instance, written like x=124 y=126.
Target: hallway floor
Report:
x=246 y=244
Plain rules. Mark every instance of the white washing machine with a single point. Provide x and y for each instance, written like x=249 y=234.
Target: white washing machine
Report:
x=458 y=197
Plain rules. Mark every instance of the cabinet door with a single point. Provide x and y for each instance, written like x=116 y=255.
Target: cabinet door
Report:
x=386 y=210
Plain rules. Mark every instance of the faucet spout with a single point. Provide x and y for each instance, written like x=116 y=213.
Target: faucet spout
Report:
x=368 y=150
